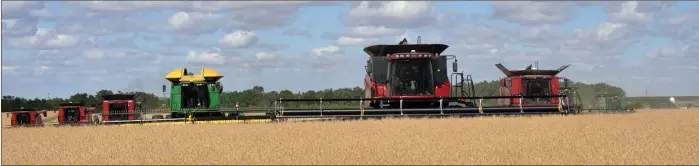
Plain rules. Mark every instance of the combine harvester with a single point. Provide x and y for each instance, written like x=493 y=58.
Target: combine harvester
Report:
x=412 y=80
x=533 y=81
x=72 y=114
x=120 y=108
x=26 y=117
x=199 y=96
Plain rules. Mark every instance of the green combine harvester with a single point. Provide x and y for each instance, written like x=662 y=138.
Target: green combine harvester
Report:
x=197 y=95
x=610 y=104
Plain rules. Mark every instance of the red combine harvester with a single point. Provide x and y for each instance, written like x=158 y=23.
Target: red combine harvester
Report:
x=72 y=113
x=412 y=80
x=530 y=82
x=26 y=117
x=119 y=107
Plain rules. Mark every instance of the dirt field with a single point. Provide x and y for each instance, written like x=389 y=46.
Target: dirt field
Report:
x=645 y=137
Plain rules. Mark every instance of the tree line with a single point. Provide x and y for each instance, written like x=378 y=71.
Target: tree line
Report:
x=258 y=97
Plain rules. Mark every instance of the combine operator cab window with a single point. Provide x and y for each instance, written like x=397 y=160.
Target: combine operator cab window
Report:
x=537 y=87
x=195 y=93
x=118 y=111
x=23 y=118
x=411 y=77
x=70 y=114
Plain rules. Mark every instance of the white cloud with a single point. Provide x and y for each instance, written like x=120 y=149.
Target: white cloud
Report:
x=354 y=41
x=179 y=19
x=532 y=12
x=678 y=20
x=19 y=9
x=326 y=50
x=628 y=14
x=9 y=23
x=123 y=6
x=239 y=39
x=668 y=52
x=393 y=14
x=261 y=56
x=374 y=31
x=394 y=9
x=205 y=57
x=38 y=71
x=94 y=54
x=686 y=67
x=9 y=69
x=198 y=6
x=188 y=19
x=42 y=39
x=607 y=30
x=62 y=41
x=18 y=27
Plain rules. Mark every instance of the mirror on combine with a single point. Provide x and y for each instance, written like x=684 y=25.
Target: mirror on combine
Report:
x=454 y=67
x=368 y=67
x=164 y=88
x=219 y=87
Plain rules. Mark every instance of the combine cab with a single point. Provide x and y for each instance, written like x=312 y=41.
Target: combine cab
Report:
x=26 y=118
x=119 y=107
x=72 y=113
x=412 y=80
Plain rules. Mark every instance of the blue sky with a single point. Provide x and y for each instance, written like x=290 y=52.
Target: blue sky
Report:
x=66 y=47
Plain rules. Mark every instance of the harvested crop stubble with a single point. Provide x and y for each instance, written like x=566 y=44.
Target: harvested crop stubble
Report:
x=649 y=137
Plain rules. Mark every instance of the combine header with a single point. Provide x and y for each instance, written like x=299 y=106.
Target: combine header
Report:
x=412 y=80
x=26 y=117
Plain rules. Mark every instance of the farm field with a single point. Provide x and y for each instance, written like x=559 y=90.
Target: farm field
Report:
x=648 y=137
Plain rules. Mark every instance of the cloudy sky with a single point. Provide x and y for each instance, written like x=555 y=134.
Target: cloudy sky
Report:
x=66 y=47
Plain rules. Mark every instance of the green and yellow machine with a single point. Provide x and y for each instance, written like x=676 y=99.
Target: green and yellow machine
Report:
x=198 y=94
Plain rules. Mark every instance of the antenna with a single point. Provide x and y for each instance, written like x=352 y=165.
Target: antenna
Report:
x=419 y=38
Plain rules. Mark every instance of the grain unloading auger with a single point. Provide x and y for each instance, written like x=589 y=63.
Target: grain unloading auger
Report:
x=412 y=80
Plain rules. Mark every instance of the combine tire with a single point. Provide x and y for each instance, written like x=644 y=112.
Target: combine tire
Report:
x=157 y=117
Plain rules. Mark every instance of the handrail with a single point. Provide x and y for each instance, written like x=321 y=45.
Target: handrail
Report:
x=420 y=98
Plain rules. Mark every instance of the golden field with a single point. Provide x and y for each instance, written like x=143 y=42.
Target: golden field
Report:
x=645 y=137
